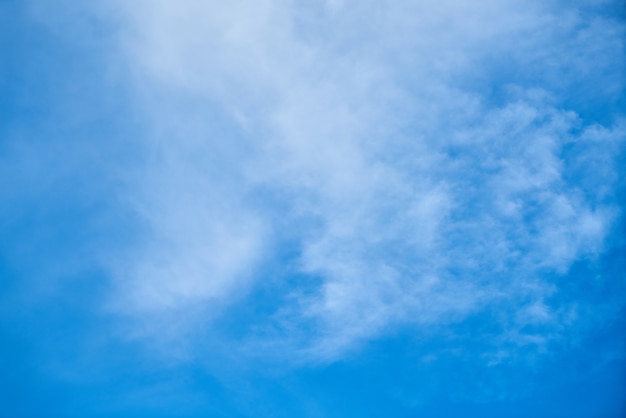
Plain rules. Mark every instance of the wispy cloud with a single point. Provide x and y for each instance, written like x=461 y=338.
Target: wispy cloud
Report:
x=425 y=161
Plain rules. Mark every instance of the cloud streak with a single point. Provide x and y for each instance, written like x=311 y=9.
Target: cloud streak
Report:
x=372 y=140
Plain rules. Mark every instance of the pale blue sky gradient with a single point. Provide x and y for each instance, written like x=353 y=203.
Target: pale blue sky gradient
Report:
x=312 y=209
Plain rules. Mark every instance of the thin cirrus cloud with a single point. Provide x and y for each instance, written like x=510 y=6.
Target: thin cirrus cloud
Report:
x=421 y=162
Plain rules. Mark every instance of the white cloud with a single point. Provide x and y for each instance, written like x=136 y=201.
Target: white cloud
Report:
x=414 y=196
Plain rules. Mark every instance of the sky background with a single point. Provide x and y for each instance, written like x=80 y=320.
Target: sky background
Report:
x=315 y=208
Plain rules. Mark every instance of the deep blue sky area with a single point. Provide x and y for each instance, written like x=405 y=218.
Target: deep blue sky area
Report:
x=317 y=209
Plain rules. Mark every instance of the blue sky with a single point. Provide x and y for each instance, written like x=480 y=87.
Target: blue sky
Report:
x=312 y=209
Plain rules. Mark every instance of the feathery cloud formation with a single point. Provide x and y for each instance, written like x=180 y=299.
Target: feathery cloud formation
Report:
x=420 y=163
